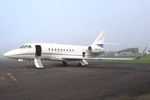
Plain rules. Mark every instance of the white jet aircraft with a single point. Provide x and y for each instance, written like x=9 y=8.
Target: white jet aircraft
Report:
x=60 y=52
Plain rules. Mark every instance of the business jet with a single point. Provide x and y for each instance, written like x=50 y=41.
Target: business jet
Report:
x=61 y=52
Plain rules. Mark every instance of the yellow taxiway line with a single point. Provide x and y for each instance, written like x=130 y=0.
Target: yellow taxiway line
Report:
x=12 y=77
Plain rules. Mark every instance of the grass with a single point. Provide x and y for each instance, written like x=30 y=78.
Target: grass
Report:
x=144 y=60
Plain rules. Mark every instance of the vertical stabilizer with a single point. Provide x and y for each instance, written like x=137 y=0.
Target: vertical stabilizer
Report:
x=100 y=39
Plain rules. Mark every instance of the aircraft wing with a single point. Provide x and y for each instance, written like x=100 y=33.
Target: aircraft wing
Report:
x=111 y=58
x=100 y=58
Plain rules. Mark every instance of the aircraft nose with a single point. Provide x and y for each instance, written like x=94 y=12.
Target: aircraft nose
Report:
x=5 y=54
x=9 y=54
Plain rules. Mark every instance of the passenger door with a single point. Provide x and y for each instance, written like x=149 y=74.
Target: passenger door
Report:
x=38 y=50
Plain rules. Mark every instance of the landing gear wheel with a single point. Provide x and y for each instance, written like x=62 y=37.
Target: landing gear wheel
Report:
x=81 y=64
x=64 y=63
x=29 y=66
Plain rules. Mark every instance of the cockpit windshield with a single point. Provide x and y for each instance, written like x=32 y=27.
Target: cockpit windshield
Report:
x=26 y=46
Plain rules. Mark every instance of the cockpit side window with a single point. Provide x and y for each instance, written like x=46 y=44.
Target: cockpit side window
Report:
x=29 y=46
x=22 y=47
x=26 y=46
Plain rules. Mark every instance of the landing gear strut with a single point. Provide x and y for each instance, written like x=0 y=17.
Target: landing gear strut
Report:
x=28 y=66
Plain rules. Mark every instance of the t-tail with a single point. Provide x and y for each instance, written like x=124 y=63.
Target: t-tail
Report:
x=99 y=40
x=97 y=45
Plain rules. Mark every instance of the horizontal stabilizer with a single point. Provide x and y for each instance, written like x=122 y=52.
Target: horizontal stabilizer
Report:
x=142 y=54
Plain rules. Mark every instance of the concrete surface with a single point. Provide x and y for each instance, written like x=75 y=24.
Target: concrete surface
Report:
x=104 y=81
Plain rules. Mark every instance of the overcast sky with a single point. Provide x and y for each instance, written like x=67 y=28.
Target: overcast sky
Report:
x=75 y=22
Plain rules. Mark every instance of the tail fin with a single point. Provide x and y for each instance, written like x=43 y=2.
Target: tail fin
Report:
x=99 y=40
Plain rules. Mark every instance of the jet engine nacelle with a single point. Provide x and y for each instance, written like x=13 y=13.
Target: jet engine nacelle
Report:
x=95 y=49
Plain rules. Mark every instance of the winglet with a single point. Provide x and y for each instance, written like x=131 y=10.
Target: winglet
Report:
x=142 y=54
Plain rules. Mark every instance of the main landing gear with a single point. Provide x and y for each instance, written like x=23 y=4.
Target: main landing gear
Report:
x=83 y=62
x=29 y=64
x=64 y=63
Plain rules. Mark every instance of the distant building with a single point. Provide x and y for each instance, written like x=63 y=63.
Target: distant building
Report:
x=148 y=52
x=128 y=52
x=110 y=53
x=131 y=52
